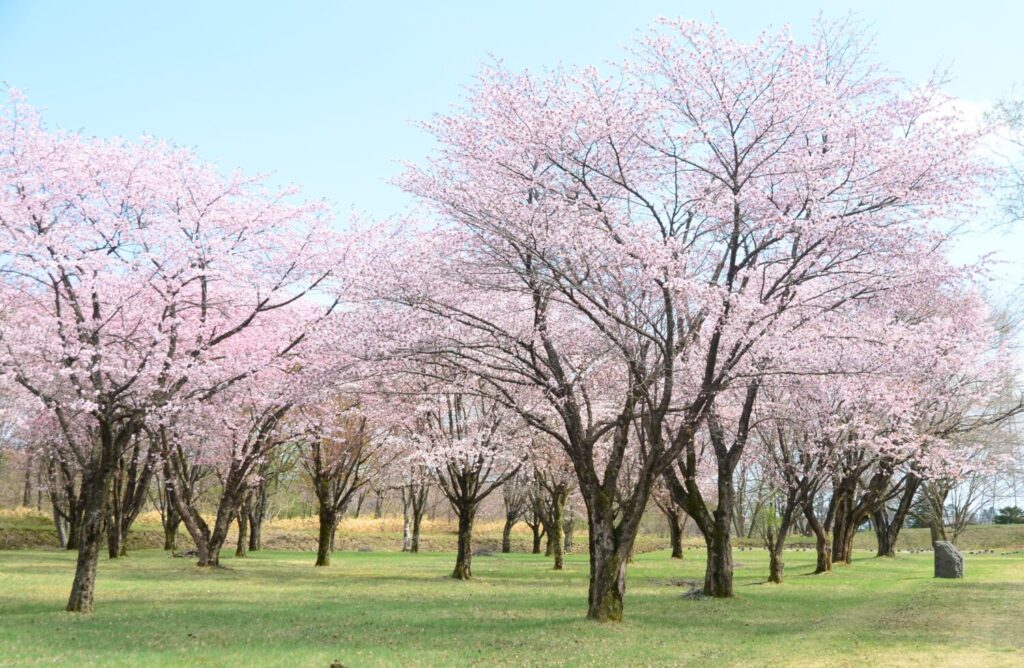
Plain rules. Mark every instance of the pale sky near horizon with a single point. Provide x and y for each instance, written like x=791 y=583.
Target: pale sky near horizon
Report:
x=323 y=94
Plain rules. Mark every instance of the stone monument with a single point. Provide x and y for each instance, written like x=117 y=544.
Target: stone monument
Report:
x=949 y=563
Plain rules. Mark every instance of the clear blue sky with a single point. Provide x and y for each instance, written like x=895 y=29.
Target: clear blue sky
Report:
x=322 y=93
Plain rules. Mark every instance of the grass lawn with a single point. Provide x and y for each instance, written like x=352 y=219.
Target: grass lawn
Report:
x=276 y=609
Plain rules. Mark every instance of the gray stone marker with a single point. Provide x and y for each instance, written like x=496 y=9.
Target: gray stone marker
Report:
x=949 y=563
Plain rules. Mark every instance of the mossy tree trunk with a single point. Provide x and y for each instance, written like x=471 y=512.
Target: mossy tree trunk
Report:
x=464 y=557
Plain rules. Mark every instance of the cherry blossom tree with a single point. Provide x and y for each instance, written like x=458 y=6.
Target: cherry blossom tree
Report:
x=473 y=446
x=129 y=270
x=611 y=255
x=338 y=447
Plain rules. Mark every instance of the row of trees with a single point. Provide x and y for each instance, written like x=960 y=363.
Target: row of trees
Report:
x=726 y=257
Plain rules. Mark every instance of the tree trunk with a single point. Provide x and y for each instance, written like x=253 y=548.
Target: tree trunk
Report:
x=842 y=539
x=718 y=540
x=84 y=586
x=217 y=538
x=255 y=531
x=171 y=534
x=777 y=544
x=463 y=561
x=822 y=540
x=888 y=529
x=406 y=521
x=26 y=496
x=96 y=490
x=242 y=543
x=608 y=557
x=506 y=534
x=883 y=535
x=328 y=521
x=74 y=528
x=675 y=535
x=555 y=536
x=417 y=521
x=114 y=522
x=718 y=575
x=776 y=566
x=62 y=528
x=115 y=541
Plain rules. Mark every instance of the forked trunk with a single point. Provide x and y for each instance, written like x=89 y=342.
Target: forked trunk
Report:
x=884 y=536
x=536 y=537
x=822 y=541
x=842 y=539
x=776 y=543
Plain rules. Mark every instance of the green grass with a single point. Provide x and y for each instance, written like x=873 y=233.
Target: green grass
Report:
x=275 y=609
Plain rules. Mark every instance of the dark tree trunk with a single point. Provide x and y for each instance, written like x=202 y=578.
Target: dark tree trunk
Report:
x=538 y=535
x=219 y=536
x=258 y=502
x=842 y=538
x=463 y=561
x=887 y=529
x=506 y=533
x=776 y=566
x=556 y=535
x=26 y=495
x=776 y=543
x=255 y=531
x=95 y=490
x=675 y=534
x=171 y=534
x=90 y=535
x=242 y=543
x=609 y=554
x=74 y=530
x=417 y=522
x=570 y=525
x=883 y=536
x=115 y=538
x=62 y=527
x=822 y=539
x=328 y=522
x=718 y=575
x=718 y=540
